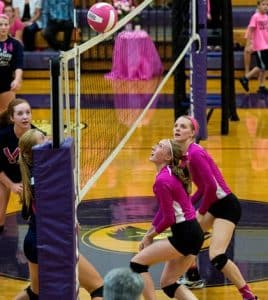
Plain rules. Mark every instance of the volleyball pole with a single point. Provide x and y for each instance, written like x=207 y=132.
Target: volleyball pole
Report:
x=55 y=193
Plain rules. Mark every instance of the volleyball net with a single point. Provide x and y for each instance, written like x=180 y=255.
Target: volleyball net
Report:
x=101 y=114
x=93 y=117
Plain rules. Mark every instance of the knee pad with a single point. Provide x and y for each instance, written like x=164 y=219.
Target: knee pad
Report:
x=170 y=290
x=219 y=261
x=31 y=294
x=97 y=293
x=138 y=268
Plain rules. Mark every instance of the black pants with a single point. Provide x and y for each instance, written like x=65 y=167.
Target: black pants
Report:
x=55 y=26
x=29 y=37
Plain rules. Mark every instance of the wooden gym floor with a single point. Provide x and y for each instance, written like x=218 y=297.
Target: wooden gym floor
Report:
x=119 y=206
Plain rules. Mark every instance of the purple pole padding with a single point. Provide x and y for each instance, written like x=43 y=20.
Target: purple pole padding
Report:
x=200 y=72
x=53 y=173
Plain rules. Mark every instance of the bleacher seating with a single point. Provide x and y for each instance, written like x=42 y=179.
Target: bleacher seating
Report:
x=158 y=24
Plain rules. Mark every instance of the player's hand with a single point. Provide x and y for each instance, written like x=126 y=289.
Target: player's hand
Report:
x=16 y=188
x=15 y=85
x=146 y=241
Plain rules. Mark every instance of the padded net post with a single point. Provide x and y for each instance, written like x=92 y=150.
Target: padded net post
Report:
x=199 y=70
x=56 y=221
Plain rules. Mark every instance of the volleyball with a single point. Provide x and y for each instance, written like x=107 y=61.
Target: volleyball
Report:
x=102 y=17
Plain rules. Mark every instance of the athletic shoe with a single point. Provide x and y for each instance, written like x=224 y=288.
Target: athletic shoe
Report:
x=244 y=83
x=262 y=90
x=198 y=284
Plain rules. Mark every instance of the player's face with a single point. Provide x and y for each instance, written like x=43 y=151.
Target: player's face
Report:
x=183 y=130
x=4 y=27
x=22 y=116
x=161 y=152
x=263 y=7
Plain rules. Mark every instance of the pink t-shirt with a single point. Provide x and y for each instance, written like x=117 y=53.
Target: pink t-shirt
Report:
x=259 y=24
x=2 y=5
x=15 y=26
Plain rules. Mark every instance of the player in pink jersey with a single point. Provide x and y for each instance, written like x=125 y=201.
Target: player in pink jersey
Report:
x=219 y=208
x=175 y=211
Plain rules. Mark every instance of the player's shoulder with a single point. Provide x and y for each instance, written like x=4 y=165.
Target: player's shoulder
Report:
x=6 y=135
x=164 y=175
x=6 y=130
x=195 y=149
x=196 y=152
x=16 y=44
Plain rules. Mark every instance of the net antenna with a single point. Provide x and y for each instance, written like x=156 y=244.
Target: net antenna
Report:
x=71 y=59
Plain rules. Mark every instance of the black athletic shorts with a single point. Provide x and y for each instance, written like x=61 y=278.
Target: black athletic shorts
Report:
x=30 y=245
x=262 y=59
x=187 y=237
x=227 y=208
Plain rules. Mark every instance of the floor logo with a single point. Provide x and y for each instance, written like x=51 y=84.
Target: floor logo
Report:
x=122 y=238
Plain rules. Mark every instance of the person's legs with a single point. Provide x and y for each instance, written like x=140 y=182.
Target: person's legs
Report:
x=157 y=252
x=33 y=270
x=262 y=89
x=247 y=60
x=29 y=37
x=31 y=292
x=4 y=198
x=50 y=34
x=89 y=278
x=172 y=270
x=192 y=278
x=222 y=233
x=244 y=80
x=68 y=31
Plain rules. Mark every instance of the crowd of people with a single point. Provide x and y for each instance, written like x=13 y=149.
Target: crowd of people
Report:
x=27 y=17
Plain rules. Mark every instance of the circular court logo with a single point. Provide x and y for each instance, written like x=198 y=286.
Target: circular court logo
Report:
x=123 y=237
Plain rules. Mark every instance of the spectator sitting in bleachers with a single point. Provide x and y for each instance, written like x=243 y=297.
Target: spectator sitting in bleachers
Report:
x=29 y=11
x=58 y=16
x=16 y=26
x=214 y=24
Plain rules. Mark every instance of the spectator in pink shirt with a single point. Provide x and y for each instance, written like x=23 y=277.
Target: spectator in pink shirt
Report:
x=16 y=26
x=257 y=42
x=175 y=211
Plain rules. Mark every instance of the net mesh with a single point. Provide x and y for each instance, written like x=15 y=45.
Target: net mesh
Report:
x=102 y=112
